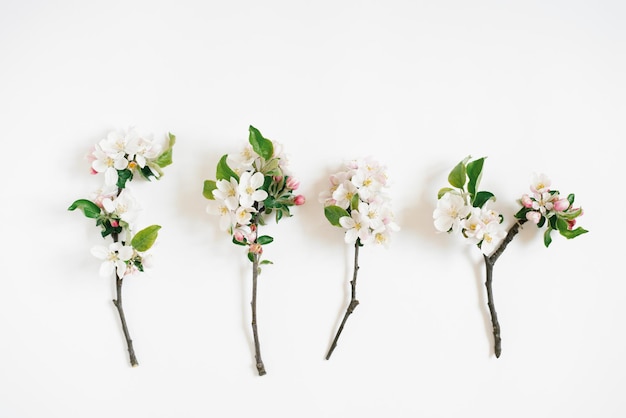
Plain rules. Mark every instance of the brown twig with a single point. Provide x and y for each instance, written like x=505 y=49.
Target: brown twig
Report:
x=353 y=301
x=489 y=263
x=257 y=348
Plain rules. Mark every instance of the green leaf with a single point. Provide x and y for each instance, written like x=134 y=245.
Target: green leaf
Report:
x=260 y=145
x=164 y=159
x=251 y=257
x=458 y=175
x=90 y=209
x=569 y=233
x=474 y=173
x=547 y=239
x=224 y=172
x=144 y=239
x=123 y=176
x=354 y=202
x=481 y=198
x=521 y=214
x=266 y=262
x=264 y=239
x=207 y=190
x=334 y=213
x=443 y=191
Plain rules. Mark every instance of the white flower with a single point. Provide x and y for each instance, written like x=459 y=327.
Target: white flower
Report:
x=227 y=216
x=125 y=206
x=120 y=143
x=374 y=213
x=494 y=233
x=544 y=202
x=227 y=191
x=145 y=150
x=366 y=183
x=451 y=208
x=473 y=227
x=114 y=257
x=326 y=197
x=540 y=183
x=344 y=193
x=356 y=226
x=243 y=215
x=106 y=191
x=108 y=164
x=243 y=160
x=248 y=188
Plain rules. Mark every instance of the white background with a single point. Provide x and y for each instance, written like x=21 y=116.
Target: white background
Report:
x=533 y=85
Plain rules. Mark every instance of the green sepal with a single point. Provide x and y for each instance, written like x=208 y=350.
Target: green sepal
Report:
x=207 y=190
x=458 y=175
x=224 y=172
x=90 y=209
x=271 y=167
x=144 y=239
x=266 y=262
x=571 y=215
x=553 y=222
x=264 y=240
x=570 y=198
x=541 y=222
x=569 y=233
x=443 y=191
x=146 y=172
x=481 y=198
x=547 y=239
x=334 y=213
x=260 y=145
x=123 y=176
x=474 y=173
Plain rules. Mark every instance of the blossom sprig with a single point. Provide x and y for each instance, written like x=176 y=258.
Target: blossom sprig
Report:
x=357 y=201
x=119 y=158
x=465 y=210
x=252 y=187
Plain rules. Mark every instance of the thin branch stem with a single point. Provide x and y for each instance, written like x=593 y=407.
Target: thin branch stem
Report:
x=257 y=348
x=118 y=304
x=489 y=263
x=120 y=310
x=353 y=300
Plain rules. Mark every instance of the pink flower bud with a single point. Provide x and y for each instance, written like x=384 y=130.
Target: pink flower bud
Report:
x=114 y=223
x=299 y=200
x=533 y=216
x=278 y=179
x=292 y=183
x=526 y=201
x=238 y=235
x=561 y=205
x=256 y=249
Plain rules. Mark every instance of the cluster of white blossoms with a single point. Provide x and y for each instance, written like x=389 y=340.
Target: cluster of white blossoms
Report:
x=119 y=157
x=479 y=225
x=123 y=152
x=544 y=203
x=250 y=186
x=358 y=202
